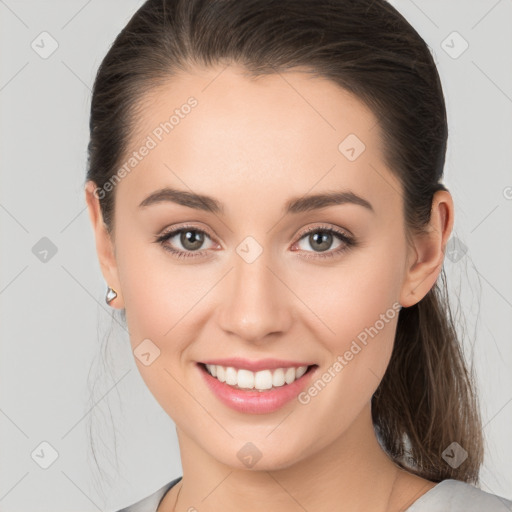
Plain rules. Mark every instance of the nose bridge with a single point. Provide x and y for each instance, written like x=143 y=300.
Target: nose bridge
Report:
x=254 y=304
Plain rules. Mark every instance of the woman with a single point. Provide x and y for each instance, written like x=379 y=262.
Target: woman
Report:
x=229 y=139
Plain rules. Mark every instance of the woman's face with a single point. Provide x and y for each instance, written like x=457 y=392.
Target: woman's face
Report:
x=251 y=282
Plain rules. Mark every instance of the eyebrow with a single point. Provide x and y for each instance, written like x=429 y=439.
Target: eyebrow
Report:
x=185 y=198
x=294 y=205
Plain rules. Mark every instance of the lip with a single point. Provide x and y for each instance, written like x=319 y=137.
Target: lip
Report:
x=253 y=401
x=254 y=366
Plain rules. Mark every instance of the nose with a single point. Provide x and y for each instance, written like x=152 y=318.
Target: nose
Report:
x=255 y=302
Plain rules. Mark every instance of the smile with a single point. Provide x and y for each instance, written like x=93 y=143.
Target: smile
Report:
x=260 y=395
x=261 y=380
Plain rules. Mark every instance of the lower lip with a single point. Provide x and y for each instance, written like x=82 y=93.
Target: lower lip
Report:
x=256 y=402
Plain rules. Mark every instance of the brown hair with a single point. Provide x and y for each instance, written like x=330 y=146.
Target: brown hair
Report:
x=426 y=398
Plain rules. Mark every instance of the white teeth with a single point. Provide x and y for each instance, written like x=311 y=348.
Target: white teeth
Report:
x=301 y=370
x=278 y=377
x=231 y=376
x=289 y=375
x=221 y=373
x=245 y=379
x=264 y=379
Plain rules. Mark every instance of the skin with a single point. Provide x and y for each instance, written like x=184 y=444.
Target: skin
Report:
x=253 y=145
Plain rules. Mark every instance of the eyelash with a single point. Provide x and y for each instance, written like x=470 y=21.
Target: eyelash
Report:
x=348 y=242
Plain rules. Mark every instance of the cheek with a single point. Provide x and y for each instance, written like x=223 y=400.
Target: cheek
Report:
x=159 y=300
x=353 y=296
x=156 y=290
x=361 y=314
x=357 y=305
x=166 y=303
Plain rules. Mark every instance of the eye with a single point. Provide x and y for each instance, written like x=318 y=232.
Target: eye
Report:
x=190 y=238
x=321 y=238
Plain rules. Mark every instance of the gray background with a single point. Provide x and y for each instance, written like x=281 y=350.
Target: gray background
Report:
x=53 y=316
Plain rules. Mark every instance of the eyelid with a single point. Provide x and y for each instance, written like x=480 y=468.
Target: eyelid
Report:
x=325 y=227
x=345 y=236
x=347 y=242
x=177 y=228
x=300 y=235
x=171 y=232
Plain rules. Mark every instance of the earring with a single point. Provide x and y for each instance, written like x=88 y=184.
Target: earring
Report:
x=111 y=295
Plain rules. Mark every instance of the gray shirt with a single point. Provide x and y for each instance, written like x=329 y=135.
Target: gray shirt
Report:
x=446 y=496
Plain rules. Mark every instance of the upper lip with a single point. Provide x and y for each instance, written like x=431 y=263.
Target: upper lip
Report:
x=254 y=366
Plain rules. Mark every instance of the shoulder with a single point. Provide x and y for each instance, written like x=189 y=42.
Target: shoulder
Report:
x=456 y=496
x=151 y=502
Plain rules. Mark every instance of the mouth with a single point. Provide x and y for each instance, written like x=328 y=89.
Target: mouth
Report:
x=259 y=395
x=269 y=379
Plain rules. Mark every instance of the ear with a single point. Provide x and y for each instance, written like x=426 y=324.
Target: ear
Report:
x=104 y=244
x=426 y=257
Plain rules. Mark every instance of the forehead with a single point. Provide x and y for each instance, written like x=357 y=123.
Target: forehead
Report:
x=273 y=136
